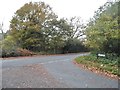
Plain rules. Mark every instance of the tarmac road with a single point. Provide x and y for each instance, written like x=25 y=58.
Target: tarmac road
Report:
x=57 y=71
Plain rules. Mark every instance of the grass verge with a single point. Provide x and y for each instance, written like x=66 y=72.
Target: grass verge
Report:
x=101 y=64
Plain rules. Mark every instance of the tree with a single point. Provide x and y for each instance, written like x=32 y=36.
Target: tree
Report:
x=74 y=46
x=57 y=33
x=35 y=27
x=77 y=27
x=28 y=24
x=103 y=32
x=1 y=38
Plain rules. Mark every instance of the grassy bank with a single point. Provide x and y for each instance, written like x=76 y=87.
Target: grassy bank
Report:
x=102 y=64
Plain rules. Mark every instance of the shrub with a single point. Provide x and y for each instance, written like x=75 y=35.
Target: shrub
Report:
x=17 y=52
x=24 y=52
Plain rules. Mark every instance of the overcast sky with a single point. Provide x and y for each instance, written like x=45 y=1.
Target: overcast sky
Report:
x=63 y=8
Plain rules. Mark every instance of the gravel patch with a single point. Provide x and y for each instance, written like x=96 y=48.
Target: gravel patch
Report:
x=30 y=76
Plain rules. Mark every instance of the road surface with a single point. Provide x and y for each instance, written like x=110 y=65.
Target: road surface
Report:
x=57 y=71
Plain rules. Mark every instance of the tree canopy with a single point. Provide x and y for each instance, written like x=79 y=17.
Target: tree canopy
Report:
x=103 y=29
x=37 y=28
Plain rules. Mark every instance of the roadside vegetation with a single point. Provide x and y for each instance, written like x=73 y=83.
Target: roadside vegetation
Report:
x=37 y=29
x=101 y=64
x=103 y=37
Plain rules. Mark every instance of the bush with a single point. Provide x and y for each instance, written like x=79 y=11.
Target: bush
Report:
x=24 y=52
x=74 y=46
x=17 y=52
